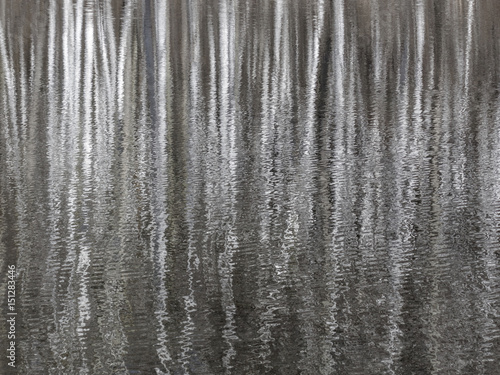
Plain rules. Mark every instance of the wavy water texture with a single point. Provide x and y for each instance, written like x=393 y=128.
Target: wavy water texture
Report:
x=251 y=187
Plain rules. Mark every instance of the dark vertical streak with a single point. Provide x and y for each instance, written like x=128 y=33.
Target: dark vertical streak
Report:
x=150 y=62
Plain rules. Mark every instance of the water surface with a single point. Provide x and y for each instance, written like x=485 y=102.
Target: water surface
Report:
x=251 y=187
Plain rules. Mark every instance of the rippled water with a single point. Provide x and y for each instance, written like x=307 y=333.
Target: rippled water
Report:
x=251 y=187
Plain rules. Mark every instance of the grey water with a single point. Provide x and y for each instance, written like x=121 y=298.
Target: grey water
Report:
x=251 y=187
